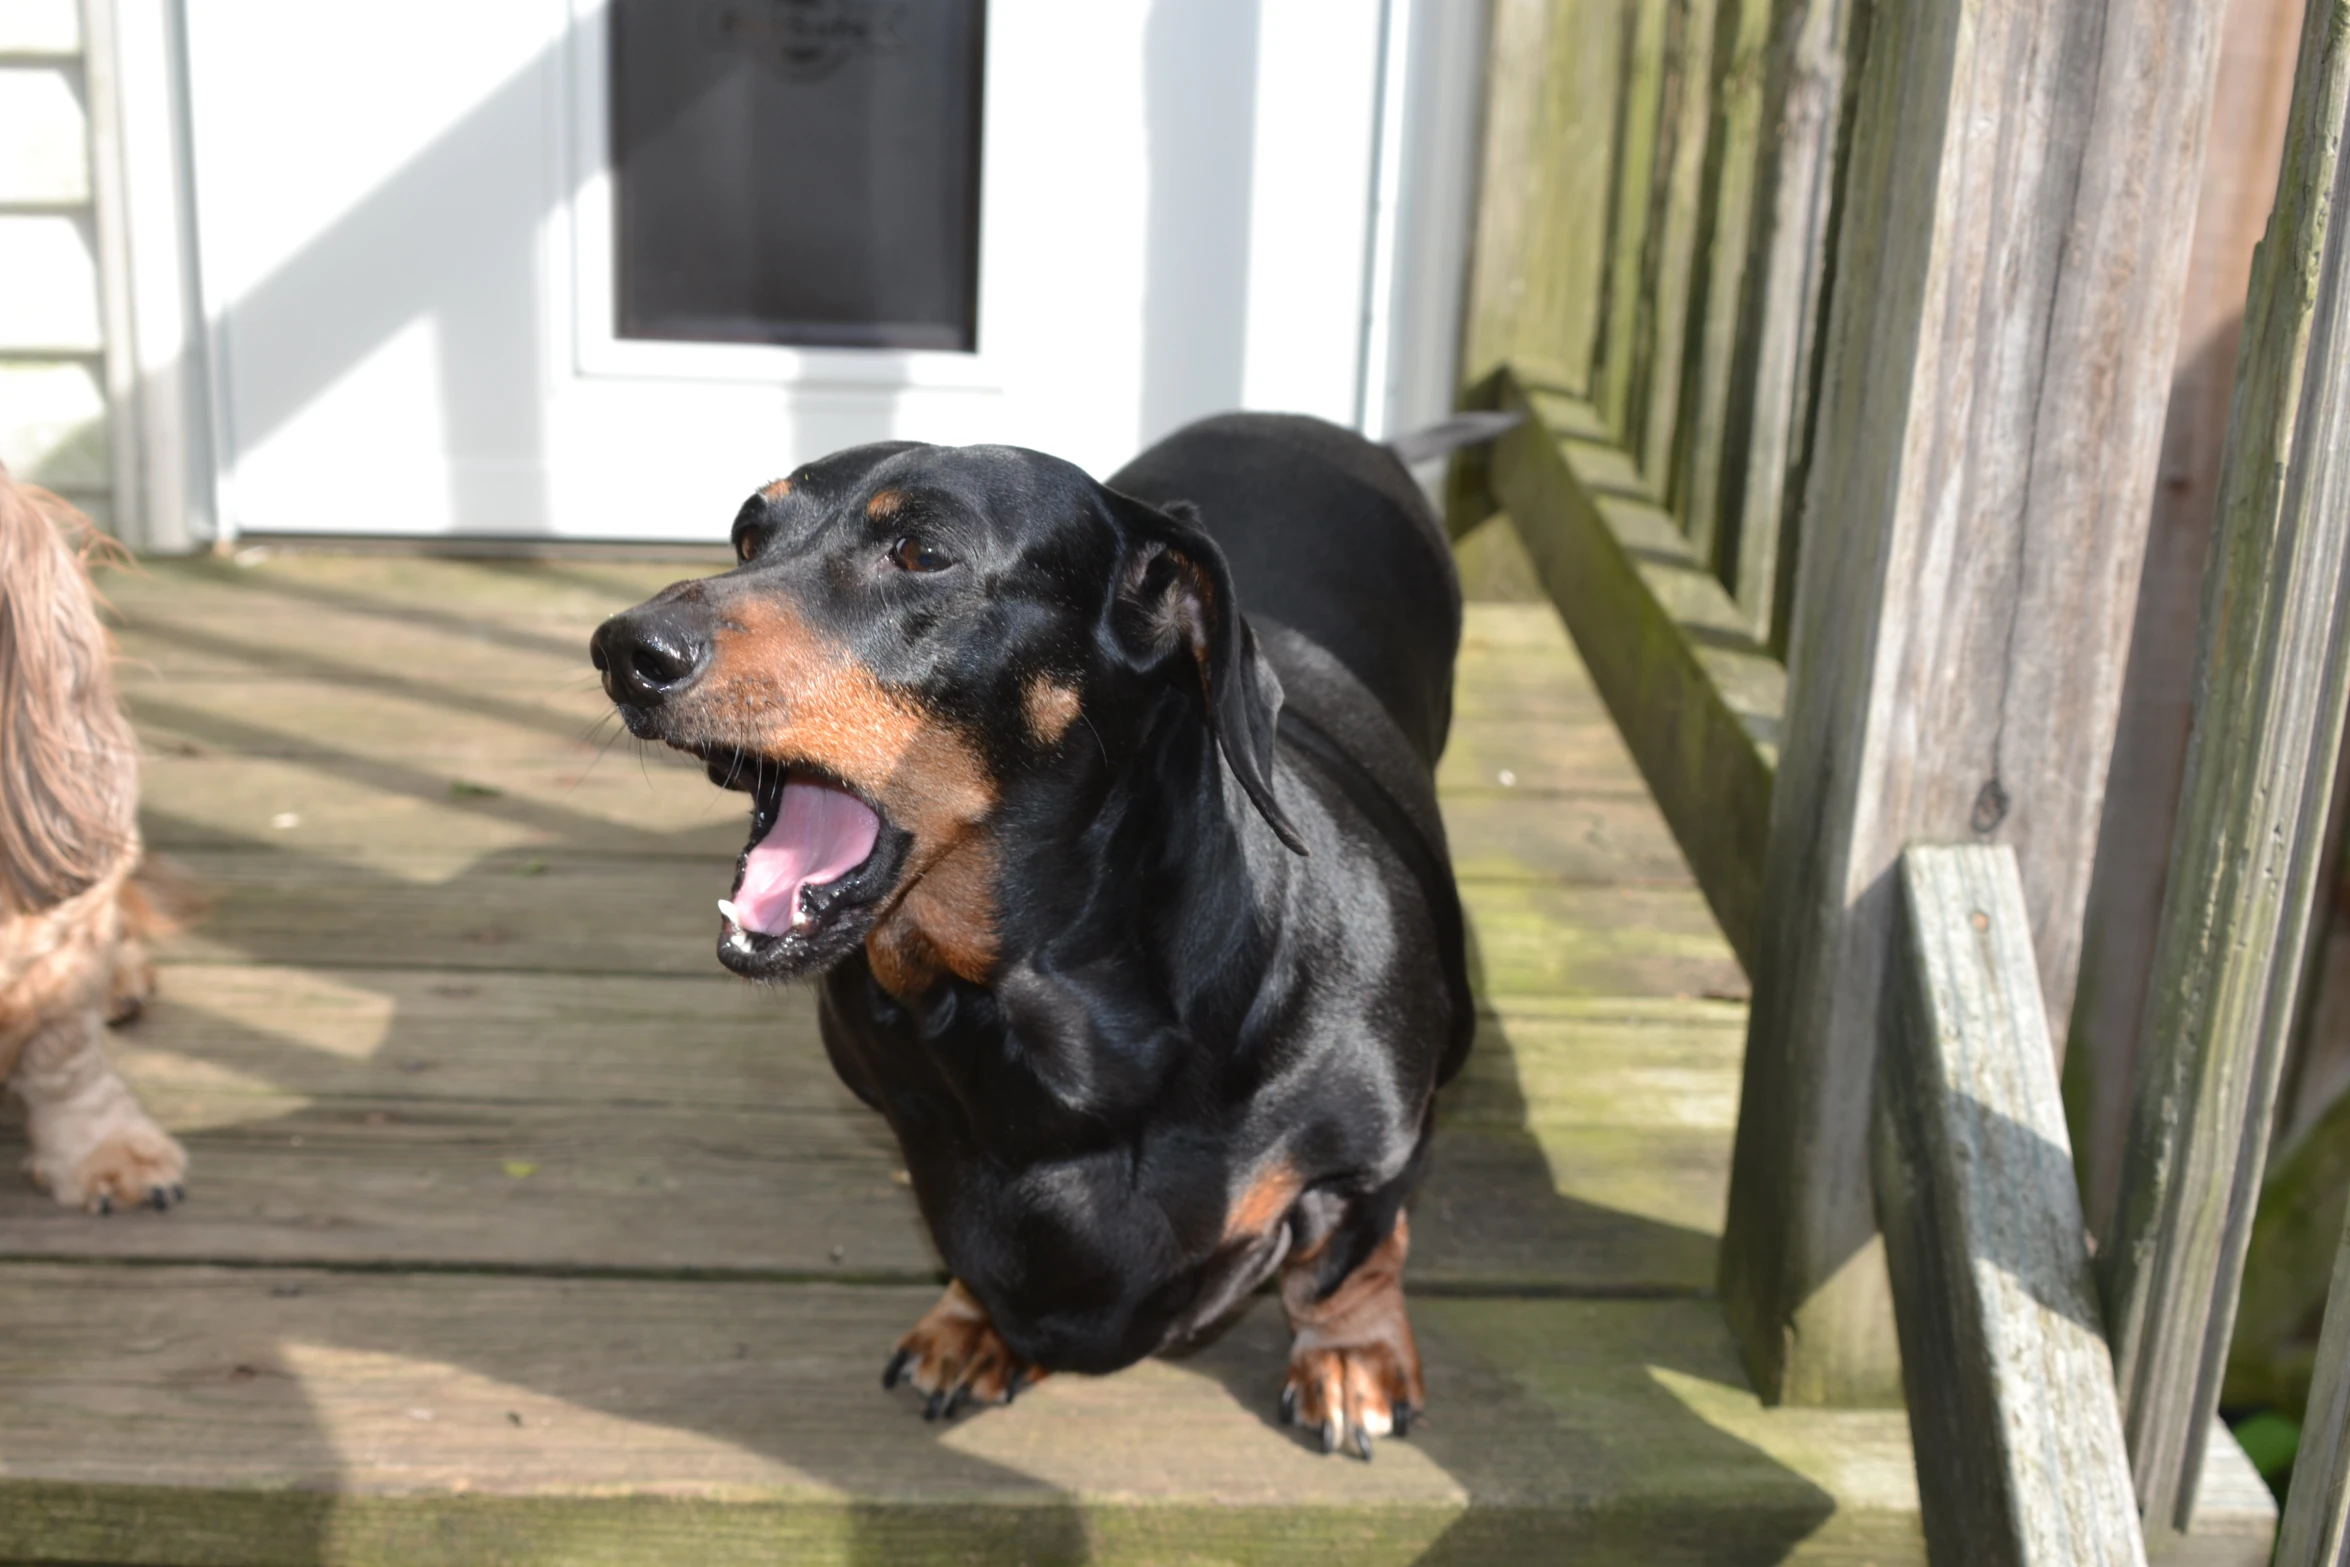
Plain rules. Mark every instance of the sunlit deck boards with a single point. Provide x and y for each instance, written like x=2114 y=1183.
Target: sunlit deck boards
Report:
x=520 y=1232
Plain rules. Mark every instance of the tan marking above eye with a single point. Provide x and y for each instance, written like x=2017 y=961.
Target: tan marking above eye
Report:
x=885 y=503
x=1051 y=709
x=777 y=490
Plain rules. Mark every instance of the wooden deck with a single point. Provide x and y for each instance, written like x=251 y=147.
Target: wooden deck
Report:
x=520 y=1232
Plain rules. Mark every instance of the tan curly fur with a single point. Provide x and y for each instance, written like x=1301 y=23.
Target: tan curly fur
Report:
x=72 y=911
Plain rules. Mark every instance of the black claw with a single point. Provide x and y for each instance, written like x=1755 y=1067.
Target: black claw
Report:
x=896 y=1368
x=105 y=1204
x=938 y=1402
x=1012 y=1387
x=1330 y=1436
x=1289 y=1405
x=179 y=1193
x=1403 y=1419
x=158 y=1199
x=956 y=1401
x=1363 y=1442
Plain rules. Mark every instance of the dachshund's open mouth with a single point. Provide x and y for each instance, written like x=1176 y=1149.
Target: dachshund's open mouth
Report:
x=820 y=863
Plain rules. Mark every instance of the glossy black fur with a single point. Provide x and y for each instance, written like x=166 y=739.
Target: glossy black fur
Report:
x=1179 y=996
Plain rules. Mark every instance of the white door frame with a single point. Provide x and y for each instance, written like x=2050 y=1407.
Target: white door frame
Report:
x=159 y=377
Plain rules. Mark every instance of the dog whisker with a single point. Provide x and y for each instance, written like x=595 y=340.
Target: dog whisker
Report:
x=601 y=752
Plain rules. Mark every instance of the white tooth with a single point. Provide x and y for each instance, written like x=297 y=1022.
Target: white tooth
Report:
x=727 y=908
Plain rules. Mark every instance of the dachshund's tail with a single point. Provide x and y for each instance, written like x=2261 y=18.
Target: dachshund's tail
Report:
x=1447 y=436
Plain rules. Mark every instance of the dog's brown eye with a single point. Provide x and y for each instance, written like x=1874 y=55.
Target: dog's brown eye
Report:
x=911 y=554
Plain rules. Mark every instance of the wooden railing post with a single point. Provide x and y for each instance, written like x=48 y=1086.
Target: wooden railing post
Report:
x=2018 y=199
x=2272 y=672
x=2011 y=1404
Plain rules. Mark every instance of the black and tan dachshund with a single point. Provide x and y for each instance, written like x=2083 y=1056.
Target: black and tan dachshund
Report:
x=1106 y=815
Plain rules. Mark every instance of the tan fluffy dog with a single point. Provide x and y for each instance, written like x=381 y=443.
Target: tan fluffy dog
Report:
x=70 y=913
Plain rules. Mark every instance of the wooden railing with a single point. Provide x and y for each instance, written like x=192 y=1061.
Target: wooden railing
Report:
x=2017 y=1431
x=1844 y=330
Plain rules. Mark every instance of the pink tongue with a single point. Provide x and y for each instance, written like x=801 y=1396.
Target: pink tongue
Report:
x=820 y=833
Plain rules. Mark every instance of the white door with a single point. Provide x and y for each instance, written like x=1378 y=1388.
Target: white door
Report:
x=439 y=303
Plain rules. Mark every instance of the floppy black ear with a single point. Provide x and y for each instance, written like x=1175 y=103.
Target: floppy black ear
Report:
x=1174 y=599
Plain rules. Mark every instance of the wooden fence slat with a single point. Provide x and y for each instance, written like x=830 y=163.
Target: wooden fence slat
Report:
x=1783 y=286
x=1633 y=180
x=2017 y=202
x=2118 y=926
x=1726 y=216
x=2316 y=1528
x=1670 y=259
x=2272 y=669
x=2011 y=1404
x=1553 y=110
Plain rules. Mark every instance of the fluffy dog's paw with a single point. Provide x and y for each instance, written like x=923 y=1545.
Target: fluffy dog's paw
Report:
x=956 y=1357
x=1353 y=1392
x=134 y=1165
x=132 y=986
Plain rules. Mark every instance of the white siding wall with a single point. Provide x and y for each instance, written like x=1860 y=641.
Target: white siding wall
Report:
x=53 y=412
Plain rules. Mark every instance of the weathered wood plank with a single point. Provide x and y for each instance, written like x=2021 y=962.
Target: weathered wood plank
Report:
x=404 y=821
x=1662 y=291
x=2316 y=1530
x=462 y=1420
x=1638 y=178
x=1733 y=151
x=413 y=584
x=1561 y=760
x=2010 y=1387
x=395 y=1183
x=2017 y=200
x=536 y=911
x=372 y=1117
x=300 y=1417
x=1697 y=701
x=1771 y=390
x=2158 y=688
x=2272 y=673
x=323 y=1033
x=755 y=1193
x=1554 y=83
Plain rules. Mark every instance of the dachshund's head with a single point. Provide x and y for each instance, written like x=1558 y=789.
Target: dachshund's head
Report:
x=69 y=779
x=914 y=635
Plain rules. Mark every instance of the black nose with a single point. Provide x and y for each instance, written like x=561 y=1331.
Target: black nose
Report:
x=648 y=655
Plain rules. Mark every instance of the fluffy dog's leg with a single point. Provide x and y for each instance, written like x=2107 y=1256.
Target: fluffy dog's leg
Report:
x=92 y=1146
x=155 y=901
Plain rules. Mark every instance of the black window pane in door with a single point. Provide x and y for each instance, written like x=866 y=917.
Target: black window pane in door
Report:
x=798 y=171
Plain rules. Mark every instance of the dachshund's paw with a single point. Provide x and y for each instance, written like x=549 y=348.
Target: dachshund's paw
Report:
x=136 y=1164
x=1352 y=1393
x=956 y=1357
